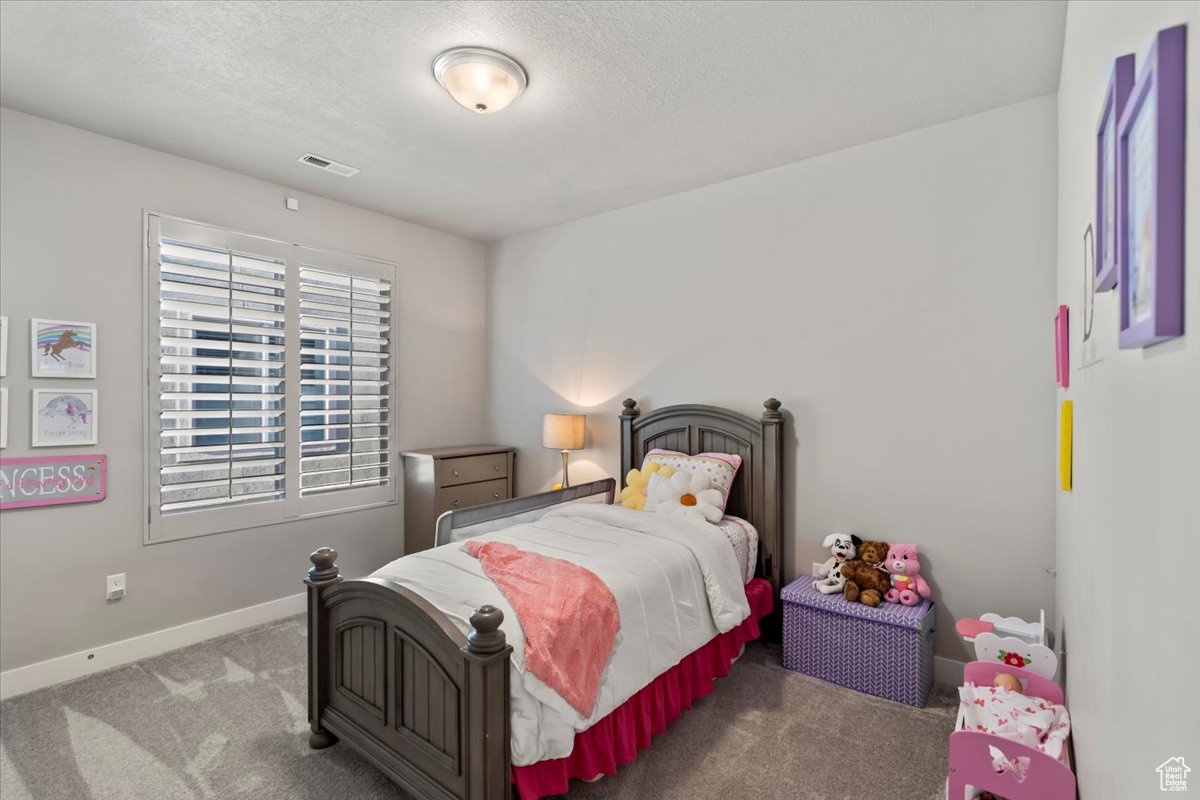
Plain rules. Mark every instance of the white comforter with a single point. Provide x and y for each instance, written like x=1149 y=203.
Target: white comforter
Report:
x=676 y=582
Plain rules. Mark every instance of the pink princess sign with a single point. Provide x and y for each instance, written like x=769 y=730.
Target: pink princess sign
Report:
x=1062 y=352
x=52 y=480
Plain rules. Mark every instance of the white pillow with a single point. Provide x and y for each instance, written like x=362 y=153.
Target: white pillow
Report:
x=689 y=494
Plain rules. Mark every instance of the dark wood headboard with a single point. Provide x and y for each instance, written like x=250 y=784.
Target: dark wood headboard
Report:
x=757 y=492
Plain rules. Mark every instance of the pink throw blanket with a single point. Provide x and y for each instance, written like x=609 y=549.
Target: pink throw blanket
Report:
x=570 y=618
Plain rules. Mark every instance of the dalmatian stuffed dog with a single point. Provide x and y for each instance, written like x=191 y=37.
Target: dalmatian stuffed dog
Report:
x=844 y=547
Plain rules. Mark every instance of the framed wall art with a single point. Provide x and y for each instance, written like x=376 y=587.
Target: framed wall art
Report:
x=1150 y=153
x=1107 y=177
x=61 y=349
x=64 y=418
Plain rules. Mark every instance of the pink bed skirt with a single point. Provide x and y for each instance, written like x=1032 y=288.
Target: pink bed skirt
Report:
x=617 y=738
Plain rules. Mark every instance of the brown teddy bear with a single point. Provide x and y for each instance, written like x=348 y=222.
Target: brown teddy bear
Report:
x=865 y=582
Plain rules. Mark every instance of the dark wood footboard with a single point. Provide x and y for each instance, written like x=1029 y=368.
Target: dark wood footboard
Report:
x=392 y=677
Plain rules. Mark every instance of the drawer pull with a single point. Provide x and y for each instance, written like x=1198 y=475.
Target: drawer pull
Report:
x=455 y=503
x=496 y=495
x=454 y=473
x=495 y=467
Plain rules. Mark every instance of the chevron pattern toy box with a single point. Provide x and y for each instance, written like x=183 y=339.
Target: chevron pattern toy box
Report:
x=885 y=651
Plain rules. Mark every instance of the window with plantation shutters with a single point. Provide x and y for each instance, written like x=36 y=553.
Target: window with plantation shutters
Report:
x=269 y=382
x=345 y=326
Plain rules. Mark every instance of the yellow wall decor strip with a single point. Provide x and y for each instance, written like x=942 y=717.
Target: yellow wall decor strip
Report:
x=1064 y=447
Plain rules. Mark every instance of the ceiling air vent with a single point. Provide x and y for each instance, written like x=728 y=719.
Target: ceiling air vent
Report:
x=329 y=165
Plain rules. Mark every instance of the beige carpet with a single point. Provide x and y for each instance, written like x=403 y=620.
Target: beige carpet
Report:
x=226 y=719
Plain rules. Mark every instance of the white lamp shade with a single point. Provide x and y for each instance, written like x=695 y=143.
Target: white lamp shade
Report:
x=480 y=80
x=563 y=431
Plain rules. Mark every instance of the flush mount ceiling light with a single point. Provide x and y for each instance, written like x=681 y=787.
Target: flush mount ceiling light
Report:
x=480 y=80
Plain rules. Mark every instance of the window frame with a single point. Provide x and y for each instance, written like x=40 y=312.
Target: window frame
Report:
x=175 y=526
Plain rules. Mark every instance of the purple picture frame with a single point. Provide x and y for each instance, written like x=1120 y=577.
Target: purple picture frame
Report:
x=1150 y=273
x=1120 y=84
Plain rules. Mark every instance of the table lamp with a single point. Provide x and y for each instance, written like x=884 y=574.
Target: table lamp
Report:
x=563 y=432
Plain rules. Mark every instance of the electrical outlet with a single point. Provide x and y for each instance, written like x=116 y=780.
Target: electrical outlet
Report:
x=114 y=586
x=817 y=569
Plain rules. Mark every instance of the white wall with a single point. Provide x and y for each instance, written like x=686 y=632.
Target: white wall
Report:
x=71 y=206
x=1131 y=627
x=897 y=298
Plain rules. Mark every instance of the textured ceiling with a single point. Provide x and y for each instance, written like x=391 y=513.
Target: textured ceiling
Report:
x=626 y=102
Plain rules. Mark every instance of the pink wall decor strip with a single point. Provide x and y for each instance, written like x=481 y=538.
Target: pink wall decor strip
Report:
x=1062 y=359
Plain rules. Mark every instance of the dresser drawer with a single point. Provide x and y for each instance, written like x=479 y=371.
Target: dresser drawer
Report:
x=470 y=469
x=472 y=494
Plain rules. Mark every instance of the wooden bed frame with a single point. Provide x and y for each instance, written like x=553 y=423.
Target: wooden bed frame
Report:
x=392 y=677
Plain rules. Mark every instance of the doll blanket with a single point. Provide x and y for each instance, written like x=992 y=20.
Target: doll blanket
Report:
x=1032 y=721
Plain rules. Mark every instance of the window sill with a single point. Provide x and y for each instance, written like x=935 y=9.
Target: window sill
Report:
x=252 y=526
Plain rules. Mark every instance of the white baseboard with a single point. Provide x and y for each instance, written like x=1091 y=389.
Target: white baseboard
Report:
x=64 y=668
x=947 y=671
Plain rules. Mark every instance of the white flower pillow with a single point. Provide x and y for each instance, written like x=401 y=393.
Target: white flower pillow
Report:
x=689 y=494
x=721 y=468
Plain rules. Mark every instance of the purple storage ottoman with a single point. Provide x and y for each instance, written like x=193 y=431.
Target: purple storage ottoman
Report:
x=885 y=651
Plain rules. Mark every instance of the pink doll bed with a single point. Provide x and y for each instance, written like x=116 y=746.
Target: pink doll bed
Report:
x=971 y=761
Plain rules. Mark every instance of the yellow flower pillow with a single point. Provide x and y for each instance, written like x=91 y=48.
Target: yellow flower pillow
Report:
x=634 y=494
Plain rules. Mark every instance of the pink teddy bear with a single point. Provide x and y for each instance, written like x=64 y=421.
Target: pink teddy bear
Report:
x=904 y=566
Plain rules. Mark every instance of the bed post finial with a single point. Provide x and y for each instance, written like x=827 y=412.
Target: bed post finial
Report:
x=772 y=413
x=486 y=637
x=628 y=414
x=323 y=569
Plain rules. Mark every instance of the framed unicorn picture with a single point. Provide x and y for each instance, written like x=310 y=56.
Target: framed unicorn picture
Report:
x=64 y=418
x=61 y=349
x=1151 y=155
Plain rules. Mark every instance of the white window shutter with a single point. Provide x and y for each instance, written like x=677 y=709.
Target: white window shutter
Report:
x=345 y=381
x=221 y=366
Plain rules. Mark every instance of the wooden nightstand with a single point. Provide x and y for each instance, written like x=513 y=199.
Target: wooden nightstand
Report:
x=444 y=478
